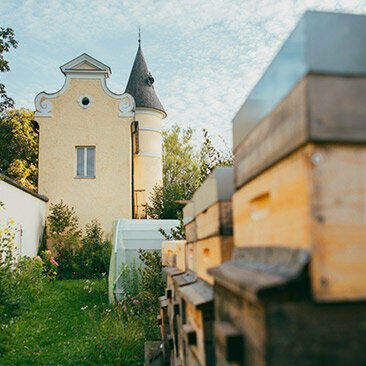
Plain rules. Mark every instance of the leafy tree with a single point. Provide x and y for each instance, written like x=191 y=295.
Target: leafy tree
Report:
x=7 y=41
x=184 y=170
x=19 y=147
x=180 y=174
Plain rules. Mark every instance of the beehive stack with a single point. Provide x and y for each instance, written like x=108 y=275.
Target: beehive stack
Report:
x=295 y=291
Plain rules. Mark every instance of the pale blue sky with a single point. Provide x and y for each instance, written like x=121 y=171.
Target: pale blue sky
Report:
x=205 y=56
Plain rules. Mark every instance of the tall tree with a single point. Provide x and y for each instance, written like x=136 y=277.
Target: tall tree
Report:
x=7 y=41
x=184 y=169
x=19 y=147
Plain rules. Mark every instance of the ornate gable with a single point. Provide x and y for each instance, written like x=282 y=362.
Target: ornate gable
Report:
x=85 y=64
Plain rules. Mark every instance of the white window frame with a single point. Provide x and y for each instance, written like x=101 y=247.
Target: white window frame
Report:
x=85 y=148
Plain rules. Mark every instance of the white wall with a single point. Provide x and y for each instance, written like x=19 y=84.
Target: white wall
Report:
x=28 y=212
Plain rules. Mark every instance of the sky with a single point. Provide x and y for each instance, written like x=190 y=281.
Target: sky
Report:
x=205 y=56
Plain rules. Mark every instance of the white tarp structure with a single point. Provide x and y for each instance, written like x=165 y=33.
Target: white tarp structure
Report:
x=128 y=237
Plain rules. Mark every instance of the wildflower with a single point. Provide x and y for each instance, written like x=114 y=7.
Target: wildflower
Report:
x=52 y=260
x=84 y=308
x=11 y=222
x=118 y=358
x=86 y=264
x=135 y=302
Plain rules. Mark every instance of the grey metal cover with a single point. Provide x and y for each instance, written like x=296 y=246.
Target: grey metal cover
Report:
x=219 y=186
x=321 y=43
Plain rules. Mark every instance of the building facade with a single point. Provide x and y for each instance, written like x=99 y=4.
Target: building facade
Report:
x=99 y=151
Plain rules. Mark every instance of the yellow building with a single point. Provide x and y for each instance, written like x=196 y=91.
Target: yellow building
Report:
x=99 y=151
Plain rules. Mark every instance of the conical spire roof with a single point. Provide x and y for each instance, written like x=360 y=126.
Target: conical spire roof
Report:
x=140 y=84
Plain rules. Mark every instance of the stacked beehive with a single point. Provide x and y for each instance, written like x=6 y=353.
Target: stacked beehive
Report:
x=189 y=294
x=294 y=292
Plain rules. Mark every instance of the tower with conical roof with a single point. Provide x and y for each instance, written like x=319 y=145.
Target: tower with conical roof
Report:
x=146 y=133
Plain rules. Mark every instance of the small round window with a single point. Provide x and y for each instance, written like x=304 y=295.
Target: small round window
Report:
x=85 y=101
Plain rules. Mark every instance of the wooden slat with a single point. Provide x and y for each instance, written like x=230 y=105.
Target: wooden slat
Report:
x=191 y=234
x=314 y=199
x=338 y=267
x=191 y=257
x=212 y=252
x=181 y=255
x=274 y=208
x=216 y=220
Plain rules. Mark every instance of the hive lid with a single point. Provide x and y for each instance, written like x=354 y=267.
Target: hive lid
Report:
x=321 y=43
x=255 y=271
x=219 y=186
x=173 y=271
x=197 y=294
x=185 y=278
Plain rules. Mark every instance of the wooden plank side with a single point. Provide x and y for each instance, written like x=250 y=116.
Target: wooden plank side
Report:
x=191 y=256
x=337 y=108
x=181 y=255
x=274 y=208
x=308 y=334
x=338 y=266
x=195 y=319
x=216 y=220
x=282 y=131
x=191 y=234
x=212 y=252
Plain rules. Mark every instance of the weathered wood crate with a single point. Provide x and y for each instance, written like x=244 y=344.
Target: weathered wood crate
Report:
x=212 y=204
x=197 y=323
x=265 y=314
x=181 y=255
x=211 y=252
x=163 y=321
x=176 y=279
x=169 y=251
x=313 y=199
x=190 y=222
x=213 y=216
x=300 y=173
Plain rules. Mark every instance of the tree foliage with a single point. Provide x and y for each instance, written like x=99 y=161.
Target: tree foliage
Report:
x=7 y=41
x=184 y=169
x=19 y=147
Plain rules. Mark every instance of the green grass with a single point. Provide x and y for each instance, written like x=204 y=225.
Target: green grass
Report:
x=54 y=330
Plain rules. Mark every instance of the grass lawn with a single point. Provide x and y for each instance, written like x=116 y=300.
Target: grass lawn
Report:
x=71 y=323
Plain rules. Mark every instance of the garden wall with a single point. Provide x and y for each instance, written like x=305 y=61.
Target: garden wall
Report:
x=27 y=209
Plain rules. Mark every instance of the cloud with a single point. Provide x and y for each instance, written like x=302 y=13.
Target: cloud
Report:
x=205 y=56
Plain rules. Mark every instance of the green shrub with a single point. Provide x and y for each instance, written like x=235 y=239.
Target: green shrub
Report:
x=20 y=281
x=77 y=256
x=94 y=253
x=50 y=266
x=142 y=286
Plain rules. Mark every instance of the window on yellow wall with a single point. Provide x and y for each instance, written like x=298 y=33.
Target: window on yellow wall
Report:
x=85 y=162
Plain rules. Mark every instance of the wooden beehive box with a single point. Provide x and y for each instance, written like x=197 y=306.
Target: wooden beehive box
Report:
x=169 y=253
x=197 y=322
x=211 y=252
x=300 y=154
x=212 y=203
x=190 y=222
x=213 y=221
x=191 y=257
x=181 y=255
x=184 y=279
x=265 y=314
